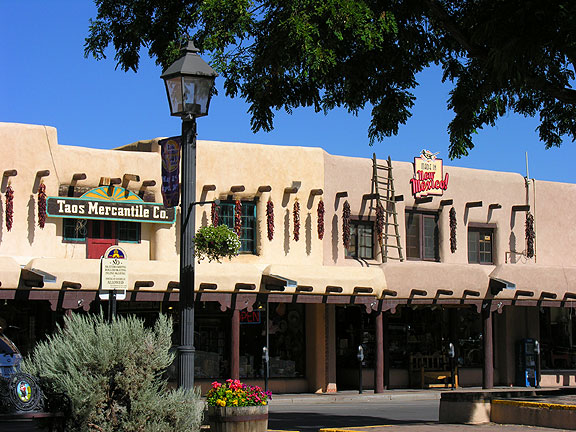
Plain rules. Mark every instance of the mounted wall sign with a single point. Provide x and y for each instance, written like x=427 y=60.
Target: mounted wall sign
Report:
x=429 y=176
x=114 y=274
x=112 y=203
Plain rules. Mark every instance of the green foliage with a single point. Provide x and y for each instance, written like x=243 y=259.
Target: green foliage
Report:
x=501 y=55
x=215 y=243
x=112 y=375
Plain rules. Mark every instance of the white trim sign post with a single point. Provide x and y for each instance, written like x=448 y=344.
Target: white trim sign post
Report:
x=113 y=276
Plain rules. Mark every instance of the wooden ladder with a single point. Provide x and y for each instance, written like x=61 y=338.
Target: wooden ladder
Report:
x=383 y=191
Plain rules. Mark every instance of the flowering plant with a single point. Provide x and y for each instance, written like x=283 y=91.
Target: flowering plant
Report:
x=215 y=243
x=234 y=393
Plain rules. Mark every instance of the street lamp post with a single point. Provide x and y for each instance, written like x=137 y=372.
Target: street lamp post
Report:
x=189 y=81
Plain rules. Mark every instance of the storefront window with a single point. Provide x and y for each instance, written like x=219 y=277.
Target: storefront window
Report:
x=354 y=327
x=287 y=344
x=425 y=330
x=558 y=338
x=212 y=342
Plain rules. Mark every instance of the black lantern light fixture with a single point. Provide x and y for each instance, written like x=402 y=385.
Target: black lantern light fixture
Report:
x=189 y=82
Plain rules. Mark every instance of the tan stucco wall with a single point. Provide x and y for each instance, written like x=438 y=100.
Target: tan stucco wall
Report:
x=252 y=165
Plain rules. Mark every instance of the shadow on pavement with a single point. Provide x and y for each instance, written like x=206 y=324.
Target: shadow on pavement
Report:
x=312 y=422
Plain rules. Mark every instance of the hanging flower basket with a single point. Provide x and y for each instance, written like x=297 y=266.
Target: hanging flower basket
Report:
x=215 y=243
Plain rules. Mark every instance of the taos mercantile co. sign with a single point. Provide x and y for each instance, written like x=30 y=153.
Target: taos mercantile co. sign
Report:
x=429 y=178
x=132 y=211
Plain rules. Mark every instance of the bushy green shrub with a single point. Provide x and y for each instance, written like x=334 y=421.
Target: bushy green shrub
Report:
x=112 y=373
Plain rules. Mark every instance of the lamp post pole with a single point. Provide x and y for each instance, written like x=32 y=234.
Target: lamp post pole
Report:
x=189 y=81
x=186 y=349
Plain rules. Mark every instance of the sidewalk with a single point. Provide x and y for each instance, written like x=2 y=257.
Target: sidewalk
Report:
x=352 y=395
x=396 y=394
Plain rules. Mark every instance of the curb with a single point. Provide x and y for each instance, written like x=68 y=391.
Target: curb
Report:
x=526 y=404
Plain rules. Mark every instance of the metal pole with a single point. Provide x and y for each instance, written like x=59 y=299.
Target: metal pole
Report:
x=186 y=349
x=112 y=299
x=267 y=364
x=538 y=365
x=451 y=356
x=360 y=357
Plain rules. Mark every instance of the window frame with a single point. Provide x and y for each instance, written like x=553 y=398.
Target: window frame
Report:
x=129 y=226
x=71 y=222
x=244 y=240
x=366 y=223
x=486 y=229
x=68 y=223
x=424 y=214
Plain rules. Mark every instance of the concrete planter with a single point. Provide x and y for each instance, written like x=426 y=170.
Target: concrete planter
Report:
x=238 y=419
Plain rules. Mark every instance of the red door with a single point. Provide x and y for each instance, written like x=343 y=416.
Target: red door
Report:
x=101 y=235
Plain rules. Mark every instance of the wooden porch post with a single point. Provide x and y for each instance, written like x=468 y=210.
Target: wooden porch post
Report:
x=235 y=348
x=379 y=366
x=488 y=370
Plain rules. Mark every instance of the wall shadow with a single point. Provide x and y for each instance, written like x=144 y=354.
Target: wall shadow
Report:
x=335 y=238
x=31 y=219
x=308 y=234
x=286 y=232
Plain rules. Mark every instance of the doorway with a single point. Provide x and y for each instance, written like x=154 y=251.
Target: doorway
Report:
x=101 y=235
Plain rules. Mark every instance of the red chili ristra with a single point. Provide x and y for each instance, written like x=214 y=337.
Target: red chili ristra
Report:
x=270 y=219
x=321 y=219
x=42 y=205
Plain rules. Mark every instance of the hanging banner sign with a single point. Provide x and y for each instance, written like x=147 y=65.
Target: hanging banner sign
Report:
x=114 y=274
x=429 y=178
x=170 y=153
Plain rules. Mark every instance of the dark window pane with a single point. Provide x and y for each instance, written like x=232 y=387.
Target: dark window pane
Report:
x=365 y=241
x=248 y=236
x=351 y=250
x=361 y=240
x=74 y=229
x=422 y=236
x=430 y=237
x=480 y=246
x=413 y=235
x=129 y=231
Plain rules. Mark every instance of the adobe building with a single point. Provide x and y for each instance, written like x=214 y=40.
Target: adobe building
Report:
x=435 y=255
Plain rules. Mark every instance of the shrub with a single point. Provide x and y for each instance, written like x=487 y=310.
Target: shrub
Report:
x=112 y=373
x=215 y=243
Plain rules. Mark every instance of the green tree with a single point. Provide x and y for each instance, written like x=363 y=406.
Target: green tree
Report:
x=112 y=373
x=501 y=55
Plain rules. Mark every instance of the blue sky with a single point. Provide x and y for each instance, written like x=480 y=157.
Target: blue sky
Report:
x=45 y=79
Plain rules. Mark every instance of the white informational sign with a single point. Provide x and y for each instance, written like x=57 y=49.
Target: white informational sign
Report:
x=114 y=272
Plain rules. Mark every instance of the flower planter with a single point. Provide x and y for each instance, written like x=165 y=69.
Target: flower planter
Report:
x=238 y=419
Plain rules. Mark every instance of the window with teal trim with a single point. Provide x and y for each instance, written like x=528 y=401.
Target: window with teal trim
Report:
x=74 y=230
x=248 y=236
x=128 y=232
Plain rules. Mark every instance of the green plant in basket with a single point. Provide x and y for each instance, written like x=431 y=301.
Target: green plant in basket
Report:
x=216 y=243
x=235 y=394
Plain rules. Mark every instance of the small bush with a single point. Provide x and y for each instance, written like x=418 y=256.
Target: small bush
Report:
x=112 y=373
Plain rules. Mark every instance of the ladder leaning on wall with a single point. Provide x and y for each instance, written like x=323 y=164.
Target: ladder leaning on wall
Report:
x=383 y=192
